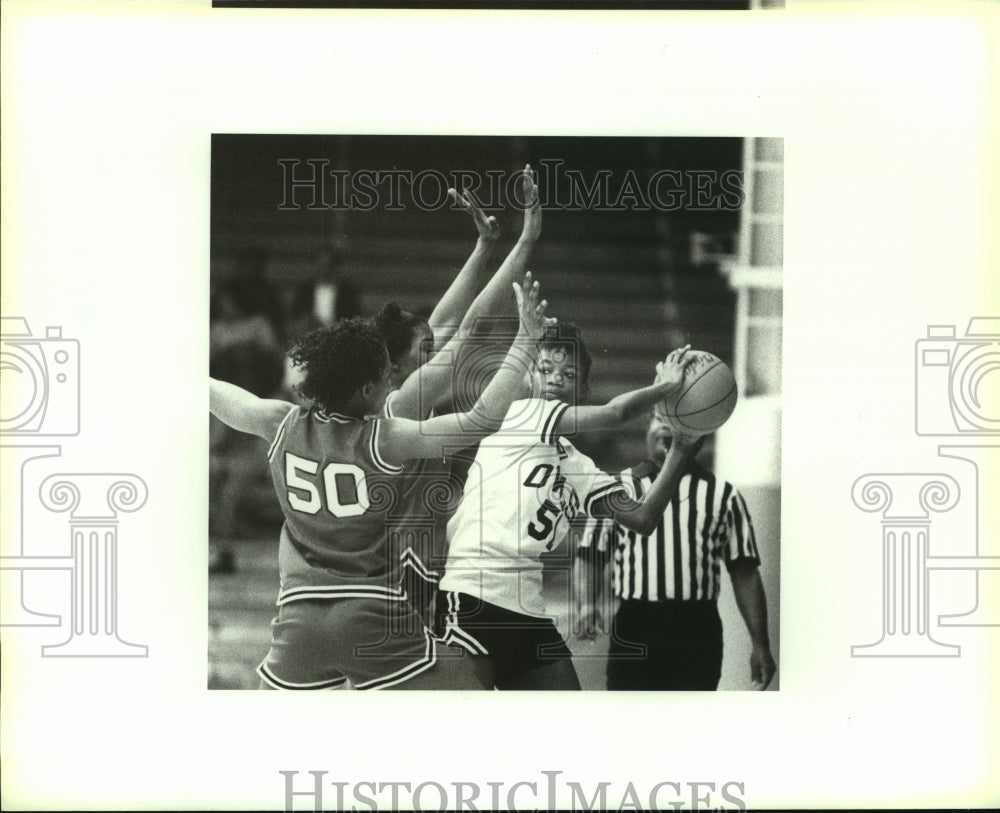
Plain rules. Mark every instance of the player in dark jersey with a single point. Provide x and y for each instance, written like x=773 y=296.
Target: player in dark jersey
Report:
x=341 y=614
x=410 y=340
x=417 y=529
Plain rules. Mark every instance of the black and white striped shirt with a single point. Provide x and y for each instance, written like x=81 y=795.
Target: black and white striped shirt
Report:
x=705 y=525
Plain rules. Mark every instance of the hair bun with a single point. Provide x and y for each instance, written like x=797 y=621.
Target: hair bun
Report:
x=389 y=314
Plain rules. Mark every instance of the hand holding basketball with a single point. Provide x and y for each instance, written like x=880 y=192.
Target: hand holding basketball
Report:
x=705 y=398
x=670 y=373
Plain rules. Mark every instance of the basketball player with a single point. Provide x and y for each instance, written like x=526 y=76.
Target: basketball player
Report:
x=339 y=595
x=667 y=579
x=422 y=543
x=408 y=338
x=526 y=484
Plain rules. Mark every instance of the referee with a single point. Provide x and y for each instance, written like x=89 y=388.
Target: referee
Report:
x=667 y=633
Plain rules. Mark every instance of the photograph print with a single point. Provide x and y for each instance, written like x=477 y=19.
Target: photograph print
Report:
x=495 y=412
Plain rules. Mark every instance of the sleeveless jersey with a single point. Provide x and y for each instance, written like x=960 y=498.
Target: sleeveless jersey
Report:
x=426 y=496
x=335 y=491
x=524 y=488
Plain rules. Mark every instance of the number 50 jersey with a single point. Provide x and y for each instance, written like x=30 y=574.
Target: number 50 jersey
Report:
x=334 y=490
x=524 y=488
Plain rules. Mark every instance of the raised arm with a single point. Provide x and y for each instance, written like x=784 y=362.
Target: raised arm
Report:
x=623 y=408
x=493 y=299
x=431 y=383
x=456 y=300
x=244 y=411
x=406 y=439
x=642 y=516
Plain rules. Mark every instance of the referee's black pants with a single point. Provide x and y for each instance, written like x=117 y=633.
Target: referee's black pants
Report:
x=665 y=645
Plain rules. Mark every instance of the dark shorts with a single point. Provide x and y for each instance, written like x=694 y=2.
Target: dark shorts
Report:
x=665 y=645
x=516 y=643
x=322 y=643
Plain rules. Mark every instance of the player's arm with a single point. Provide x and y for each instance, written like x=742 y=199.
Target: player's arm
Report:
x=431 y=383
x=493 y=299
x=244 y=411
x=748 y=590
x=642 y=516
x=457 y=299
x=623 y=408
x=403 y=439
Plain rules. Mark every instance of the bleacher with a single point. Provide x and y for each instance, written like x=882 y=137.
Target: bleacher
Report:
x=624 y=277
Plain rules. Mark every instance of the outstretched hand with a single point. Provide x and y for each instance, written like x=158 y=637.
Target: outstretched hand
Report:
x=488 y=227
x=670 y=373
x=532 y=229
x=530 y=310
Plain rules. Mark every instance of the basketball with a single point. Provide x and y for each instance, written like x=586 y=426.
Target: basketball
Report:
x=705 y=399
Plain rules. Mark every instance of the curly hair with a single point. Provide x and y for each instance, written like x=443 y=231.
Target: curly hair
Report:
x=398 y=328
x=568 y=338
x=337 y=361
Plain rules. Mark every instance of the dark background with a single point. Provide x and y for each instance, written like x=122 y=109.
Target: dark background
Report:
x=635 y=282
x=638 y=283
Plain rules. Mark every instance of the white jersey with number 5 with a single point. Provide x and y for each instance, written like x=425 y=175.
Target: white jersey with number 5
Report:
x=524 y=487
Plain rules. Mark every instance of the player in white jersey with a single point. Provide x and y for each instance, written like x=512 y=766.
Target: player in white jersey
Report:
x=337 y=607
x=527 y=483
